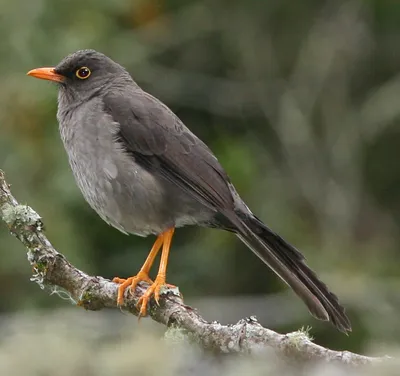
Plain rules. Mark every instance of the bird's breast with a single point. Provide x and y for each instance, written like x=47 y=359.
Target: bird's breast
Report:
x=123 y=193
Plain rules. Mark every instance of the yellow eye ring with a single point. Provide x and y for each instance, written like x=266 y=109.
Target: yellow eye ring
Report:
x=83 y=73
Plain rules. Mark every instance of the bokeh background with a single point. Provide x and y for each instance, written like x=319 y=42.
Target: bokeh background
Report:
x=300 y=101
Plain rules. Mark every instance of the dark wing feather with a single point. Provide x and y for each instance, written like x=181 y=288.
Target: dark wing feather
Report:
x=160 y=142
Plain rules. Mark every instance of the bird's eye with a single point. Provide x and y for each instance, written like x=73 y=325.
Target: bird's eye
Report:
x=83 y=73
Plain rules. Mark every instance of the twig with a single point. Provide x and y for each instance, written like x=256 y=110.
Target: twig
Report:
x=52 y=269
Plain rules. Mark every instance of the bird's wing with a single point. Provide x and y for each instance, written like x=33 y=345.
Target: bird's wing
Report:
x=159 y=141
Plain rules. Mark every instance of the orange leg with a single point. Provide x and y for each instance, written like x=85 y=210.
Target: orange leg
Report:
x=155 y=288
x=143 y=274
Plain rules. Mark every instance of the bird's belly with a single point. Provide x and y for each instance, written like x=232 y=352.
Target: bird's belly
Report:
x=130 y=209
x=133 y=200
x=126 y=196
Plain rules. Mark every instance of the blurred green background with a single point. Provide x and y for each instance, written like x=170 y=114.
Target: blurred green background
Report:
x=300 y=101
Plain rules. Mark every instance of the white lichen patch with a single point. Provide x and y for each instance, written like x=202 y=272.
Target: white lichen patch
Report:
x=296 y=338
x=63 y=294
x=38 y=277
x=231 y=345
x=39 y=267
x=32 y=254
x=20 y=213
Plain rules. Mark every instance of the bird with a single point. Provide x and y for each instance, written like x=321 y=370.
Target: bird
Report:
x=145 y=173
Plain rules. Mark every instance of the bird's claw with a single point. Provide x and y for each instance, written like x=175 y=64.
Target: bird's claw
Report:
x=130 y=282
x=153 y=290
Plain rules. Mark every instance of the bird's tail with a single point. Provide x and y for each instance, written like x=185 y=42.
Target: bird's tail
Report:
x=289 y=264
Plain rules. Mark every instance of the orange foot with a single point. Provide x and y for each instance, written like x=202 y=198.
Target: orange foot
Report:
x=130 y=282
x=154 y=289
x=164 y=240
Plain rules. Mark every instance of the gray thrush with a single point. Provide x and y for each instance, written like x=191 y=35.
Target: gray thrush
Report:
x=144 y=172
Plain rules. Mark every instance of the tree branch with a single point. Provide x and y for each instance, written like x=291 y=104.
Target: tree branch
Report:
x=52 y=269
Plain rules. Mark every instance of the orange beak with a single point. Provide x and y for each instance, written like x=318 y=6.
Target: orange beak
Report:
x=46 y=74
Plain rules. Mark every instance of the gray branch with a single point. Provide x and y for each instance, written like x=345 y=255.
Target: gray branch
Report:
x=52 y=269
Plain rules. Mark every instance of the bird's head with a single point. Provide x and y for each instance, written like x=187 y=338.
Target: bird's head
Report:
x=83 y=74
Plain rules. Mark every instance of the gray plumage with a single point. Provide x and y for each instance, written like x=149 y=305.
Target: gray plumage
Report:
x=143 y=172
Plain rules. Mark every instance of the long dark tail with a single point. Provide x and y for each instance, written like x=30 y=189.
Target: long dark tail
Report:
x=289 y=264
